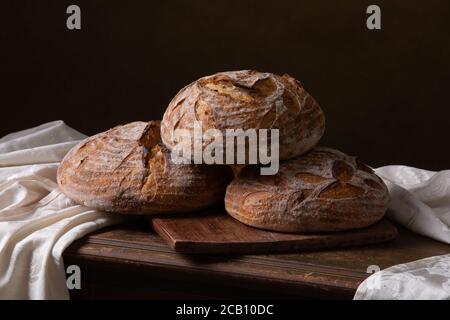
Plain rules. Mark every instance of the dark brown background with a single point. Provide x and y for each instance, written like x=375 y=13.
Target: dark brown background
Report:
x=385 y=93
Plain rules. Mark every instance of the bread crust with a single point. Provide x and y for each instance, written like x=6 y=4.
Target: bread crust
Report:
x=322 y=191
x=244 y=100
x=128 y=170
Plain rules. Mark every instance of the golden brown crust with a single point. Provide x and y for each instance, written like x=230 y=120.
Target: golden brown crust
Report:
x=324 y=190
x=248 y=100
x=128 y=170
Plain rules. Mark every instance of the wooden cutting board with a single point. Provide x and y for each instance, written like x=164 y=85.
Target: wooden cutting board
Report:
x=215 y=232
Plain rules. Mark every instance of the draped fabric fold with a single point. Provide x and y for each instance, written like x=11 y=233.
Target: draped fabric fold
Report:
x=37 y=222
x=420 y=201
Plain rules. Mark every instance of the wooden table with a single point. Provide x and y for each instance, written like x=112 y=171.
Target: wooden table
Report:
x=131 y=261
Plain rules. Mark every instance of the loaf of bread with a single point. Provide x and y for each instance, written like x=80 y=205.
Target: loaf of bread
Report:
x=324 y=190
x=128 y=170
x=247 y=100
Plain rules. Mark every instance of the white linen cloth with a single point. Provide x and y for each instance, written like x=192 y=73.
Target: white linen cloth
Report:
x=37 y=222
x=420 y=201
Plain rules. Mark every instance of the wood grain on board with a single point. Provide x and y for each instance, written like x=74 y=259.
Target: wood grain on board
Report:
x=132 y=261
x=215 y=232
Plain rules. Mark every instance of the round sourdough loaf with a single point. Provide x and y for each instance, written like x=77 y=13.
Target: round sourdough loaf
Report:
x=128 y=170
x=246 y=100
x=324 y=190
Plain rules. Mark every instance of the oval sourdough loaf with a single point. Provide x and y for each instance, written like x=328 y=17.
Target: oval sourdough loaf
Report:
x=247 y=100
x=324 y=190
x=128 y=170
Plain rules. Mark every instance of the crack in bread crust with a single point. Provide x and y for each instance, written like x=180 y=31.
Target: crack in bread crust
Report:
x=324 y=190
x=247 y=100
x=128 y=170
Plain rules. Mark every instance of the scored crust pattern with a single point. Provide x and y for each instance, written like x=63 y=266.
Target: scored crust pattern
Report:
x=324 y=190
x=247 y=100
x=128 y=170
